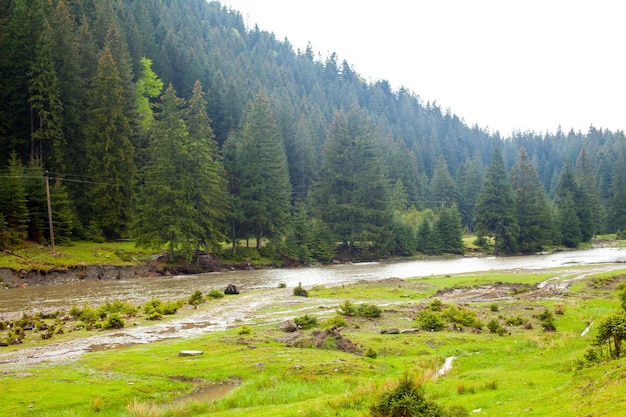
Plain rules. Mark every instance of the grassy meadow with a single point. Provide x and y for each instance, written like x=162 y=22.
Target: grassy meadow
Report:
x=258 y=369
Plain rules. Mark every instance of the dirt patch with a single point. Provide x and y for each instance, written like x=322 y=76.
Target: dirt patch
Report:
x=396 y=283
x=321 y=339
x=502 y=291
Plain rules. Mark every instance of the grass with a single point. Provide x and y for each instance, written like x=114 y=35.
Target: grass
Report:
x=525 y=372
x=31 y=256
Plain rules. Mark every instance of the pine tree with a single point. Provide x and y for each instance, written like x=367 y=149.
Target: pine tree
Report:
x=62 y=215
x=353 y=191
x=165 y=210
x=208 y=189
x=265 y=191
x=13 y=203
x=531 y=206
x=494 y=213
x=470 y=183
x=443 y=189
x=110 y=151
x=591 y=211
x=617 y=208
x=450 y=230
x=35 y=188
x=569 y=226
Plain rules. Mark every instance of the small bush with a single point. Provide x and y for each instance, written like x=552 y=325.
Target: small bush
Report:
x=370 y=353
x=282 y=285
x=547 y=321
x=435 y=305
x=196 y=298
x=244 y=330
x=113 y=321
x=463 y=317
x=494 y=308
x=335 y=321
x=516 y=320
x=299 y=291
x=170 y=307
x=347 y=308
x=406 y=400
x=430 y=320
x=215 y=294
x=370 y=311
x=305 y=322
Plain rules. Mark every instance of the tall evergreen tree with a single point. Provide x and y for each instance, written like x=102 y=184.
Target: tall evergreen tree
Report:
x=494 y=214
x=470 y=183
x=165 y=211
x=208 y=192
x=450 y=230
x=265 y=190
x=591 y=208
x=14 y=203
x=110 y=151
x=353 y=193
x=617 y=208
x=569 y=226
x=570 y=196
x=443 y=188
x=531 y=206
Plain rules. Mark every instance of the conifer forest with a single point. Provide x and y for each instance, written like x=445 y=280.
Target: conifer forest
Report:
x=171 y=123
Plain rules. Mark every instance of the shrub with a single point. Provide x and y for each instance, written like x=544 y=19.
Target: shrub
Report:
x=347 y=308
x=170 y=307
x=430 y=320
x=370 y=311
x=463 y=317
x=370 y=353
x=305 y=322
x=113 y=321
x=494 y=307
x=244 y=330
x=515 y=320
x=406 y=400
x=300 y=291
x=335 y=321
x=196 y=298
x=547 y=321
x=215 y=294
x=435 y=305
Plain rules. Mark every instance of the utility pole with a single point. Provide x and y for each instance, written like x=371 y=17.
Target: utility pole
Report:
x=50 y=214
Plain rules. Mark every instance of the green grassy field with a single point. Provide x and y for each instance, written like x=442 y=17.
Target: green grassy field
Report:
x=526 y=371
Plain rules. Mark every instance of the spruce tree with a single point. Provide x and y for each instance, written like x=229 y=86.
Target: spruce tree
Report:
x=450 y=230
x=165 y=209
x=110 y=151
x=494 y=214
x=14 y=203
x=353 y=191
x=265 y=191
x=532 y=210
x=443 y=188
x=204 y=169
x=470 y=183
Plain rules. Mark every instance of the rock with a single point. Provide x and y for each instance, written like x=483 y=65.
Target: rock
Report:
x=390 y=331
x=288 y=326
x=231 y=289
x=190 y=353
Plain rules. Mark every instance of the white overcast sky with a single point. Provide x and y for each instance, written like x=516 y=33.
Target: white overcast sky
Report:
x=505 y=65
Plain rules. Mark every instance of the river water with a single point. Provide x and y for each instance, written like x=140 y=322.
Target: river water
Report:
x=60 y=297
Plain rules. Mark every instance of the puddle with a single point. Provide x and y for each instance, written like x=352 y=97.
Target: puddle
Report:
x=210 y=392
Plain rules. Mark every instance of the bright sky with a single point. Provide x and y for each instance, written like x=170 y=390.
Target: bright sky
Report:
x=504 y=65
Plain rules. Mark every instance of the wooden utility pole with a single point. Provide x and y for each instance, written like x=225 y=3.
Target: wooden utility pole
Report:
x=50 y=214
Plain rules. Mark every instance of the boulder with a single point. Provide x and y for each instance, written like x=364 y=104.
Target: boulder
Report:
x=288 y=326
x=231 y=289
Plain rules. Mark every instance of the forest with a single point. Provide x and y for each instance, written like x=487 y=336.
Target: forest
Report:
x=171 y=123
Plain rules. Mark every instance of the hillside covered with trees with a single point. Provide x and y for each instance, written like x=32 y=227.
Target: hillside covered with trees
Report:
x=171 y=123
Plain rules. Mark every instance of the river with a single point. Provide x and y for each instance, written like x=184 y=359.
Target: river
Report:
x=60 y=297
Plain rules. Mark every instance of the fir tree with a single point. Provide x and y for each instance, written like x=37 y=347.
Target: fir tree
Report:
x=531 y=206
x=353 y=196
x=494 y=213
x=110 y=151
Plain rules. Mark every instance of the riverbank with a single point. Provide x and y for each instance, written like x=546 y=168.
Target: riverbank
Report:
x=137 y=370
